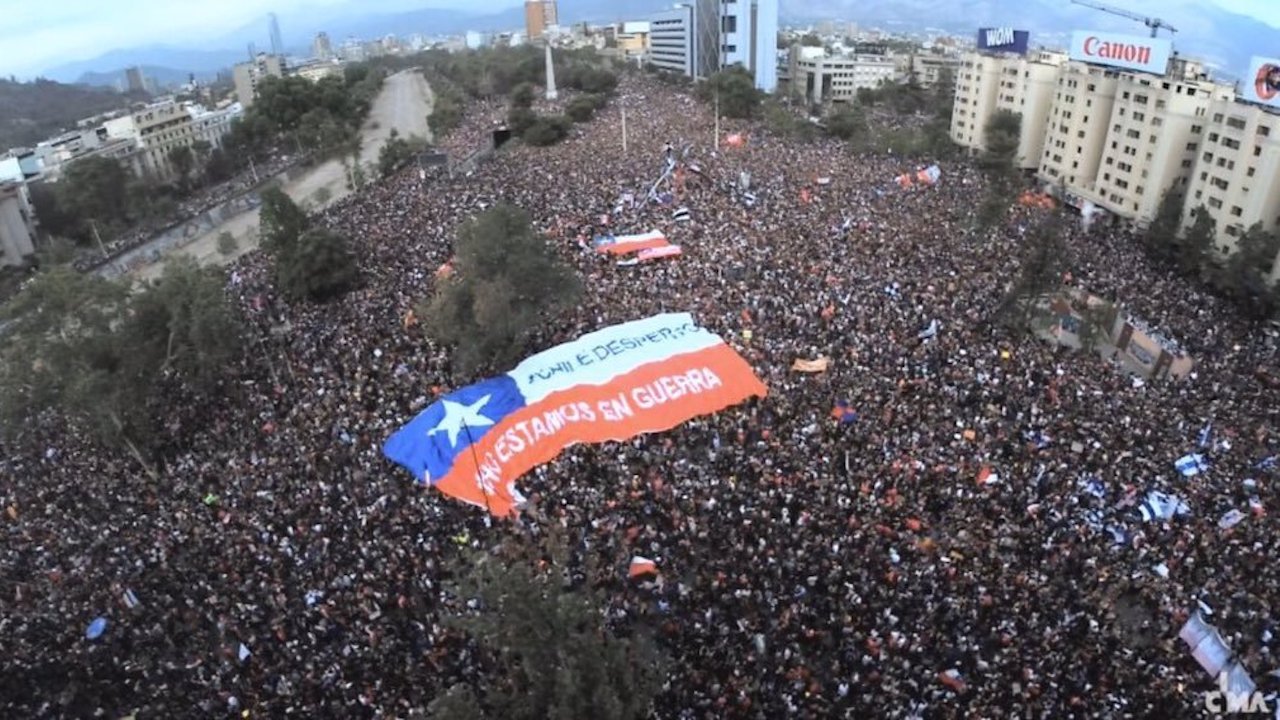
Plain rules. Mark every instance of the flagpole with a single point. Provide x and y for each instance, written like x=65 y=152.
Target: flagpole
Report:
x=471 y=445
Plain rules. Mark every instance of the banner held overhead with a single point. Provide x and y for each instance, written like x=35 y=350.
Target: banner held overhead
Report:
x=639 y=377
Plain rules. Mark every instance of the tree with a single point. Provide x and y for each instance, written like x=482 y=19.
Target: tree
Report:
x=1194 y=247
x=184 y=323
x=280 y=221
x=520 y=119
x=1043 y=257
x=810 y=40
x=82 y=346
x=183 y=161
x=523 y=95
x=736 y=90
x=783 y=122
x=583 y=107
x=547 y=130
x=508 y=281
x=1246 y=275
x=397 y=152
x=848 y=123
x=555 y=655
x=94 y=188
x=227 y=245
x=1161 y=237
x=944 y=94
x=317 y=267
x=1002 y=134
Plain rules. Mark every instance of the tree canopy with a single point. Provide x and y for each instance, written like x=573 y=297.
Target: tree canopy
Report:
x=737 y=92
x=507 y=281
x=91 y=350
x=280 y=221
x=557 y=658
x=318 y=266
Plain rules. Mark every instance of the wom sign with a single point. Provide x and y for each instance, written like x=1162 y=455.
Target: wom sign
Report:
x=1131 y=52
x=1004 y=39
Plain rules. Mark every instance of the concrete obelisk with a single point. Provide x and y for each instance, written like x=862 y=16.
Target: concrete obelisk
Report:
x=551 y=76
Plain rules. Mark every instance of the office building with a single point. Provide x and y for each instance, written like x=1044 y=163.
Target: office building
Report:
x=928 y=70
x=821 y=78
x=476 y=40
x=156 y=130
x=17 y=225
x=212 y=126
x=321 y=47
x=632 y=40
x=247 y=76
x=988 y=82
x=277 y=44
x=686 y=39
x=539 y=16
x=671 y=40
x=749 y=37
x=134 y=80
x=1236 y=176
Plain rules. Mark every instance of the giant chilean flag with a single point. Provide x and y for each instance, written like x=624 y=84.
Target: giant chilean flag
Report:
x=638 y=377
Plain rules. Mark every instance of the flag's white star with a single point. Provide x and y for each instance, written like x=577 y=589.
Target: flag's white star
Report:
x=457 y=415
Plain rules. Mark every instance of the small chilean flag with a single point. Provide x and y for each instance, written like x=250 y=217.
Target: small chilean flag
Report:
x=641 y=566
x=987 y=476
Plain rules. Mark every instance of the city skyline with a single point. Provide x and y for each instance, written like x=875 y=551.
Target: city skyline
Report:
x=39 y=36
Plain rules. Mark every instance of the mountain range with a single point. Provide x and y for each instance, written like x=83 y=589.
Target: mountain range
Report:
x=1225 y=40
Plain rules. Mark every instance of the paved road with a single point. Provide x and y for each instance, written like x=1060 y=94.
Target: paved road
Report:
x=404 y=104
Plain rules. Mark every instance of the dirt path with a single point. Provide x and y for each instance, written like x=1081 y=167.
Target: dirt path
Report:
x=404 y=104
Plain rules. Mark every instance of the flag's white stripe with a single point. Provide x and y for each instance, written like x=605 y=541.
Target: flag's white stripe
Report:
x=598 y=357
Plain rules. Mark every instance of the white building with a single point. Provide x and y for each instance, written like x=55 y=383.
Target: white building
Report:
x=212 y=126
x=156 y=129
x=671 y=35
x=476 y=40
x=248 y=75
x=988 y=82
x=1236 y=177
x=749 y=37
x=820 y=78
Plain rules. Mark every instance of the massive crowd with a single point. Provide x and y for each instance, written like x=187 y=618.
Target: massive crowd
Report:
x=810 y=568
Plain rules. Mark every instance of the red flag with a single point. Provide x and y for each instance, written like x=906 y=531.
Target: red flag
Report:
x=641 y=567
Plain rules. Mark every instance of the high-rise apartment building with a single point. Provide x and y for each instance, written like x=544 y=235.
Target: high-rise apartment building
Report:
x=248 y=75
x=321 y=47
x=1236 y=176
x=538 y=16
x=1154 y=134
x=133 y=77
x=749 y=37
x=988 y=82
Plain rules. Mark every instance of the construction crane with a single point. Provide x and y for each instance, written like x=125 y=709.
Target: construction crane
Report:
x=1154 y=23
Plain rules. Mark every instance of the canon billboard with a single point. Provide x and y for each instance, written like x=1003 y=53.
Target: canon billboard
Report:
x=1262 y=84
x=1004 y=39
x=1132 y=52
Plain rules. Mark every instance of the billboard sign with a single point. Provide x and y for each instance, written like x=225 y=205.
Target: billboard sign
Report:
x=1262 y=84
x=1004 y=39
x=1131 y=52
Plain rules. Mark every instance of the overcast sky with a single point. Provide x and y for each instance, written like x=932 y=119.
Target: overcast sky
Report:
x=37 y=34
